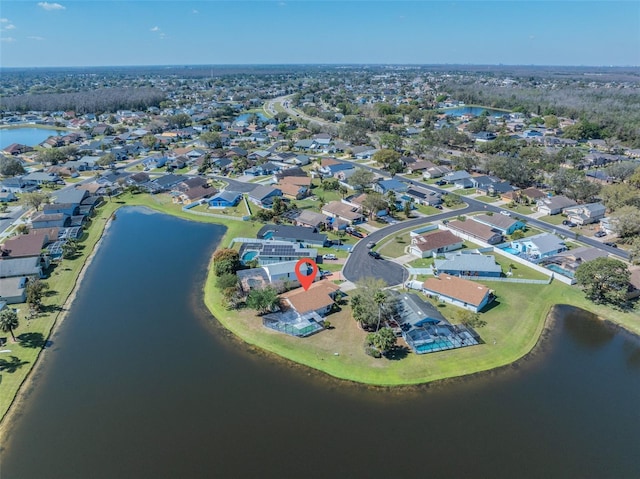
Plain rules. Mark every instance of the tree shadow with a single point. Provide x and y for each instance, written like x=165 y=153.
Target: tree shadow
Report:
x=397 y=353
x=32 y=340
x=12 y=365
x=49 y=292
x=50 y=308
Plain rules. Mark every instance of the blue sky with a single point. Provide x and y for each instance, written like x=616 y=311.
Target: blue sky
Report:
x=103 y=33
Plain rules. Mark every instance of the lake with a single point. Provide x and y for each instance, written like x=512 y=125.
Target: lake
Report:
x=473 y=110
x=245 y=117
x=141 y=382
x=26 y=136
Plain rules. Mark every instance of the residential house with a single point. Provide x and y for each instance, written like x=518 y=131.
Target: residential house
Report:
x=385 y=186
x=7 y=197
x=196 y=193
x=40 y=178
x=476 y=230
x=280 y=275
x=533 y=195
x=461 y=264
x=459 y=178
x=332 y=170
x=436 y=171
x=442 y=241
x=570 y=260
x=304 y=236
x=294 y=192
x=16 y=149
x=272 y=251
x=585 y=214
x=536 y=248
x=26 y=267
x=419 y=166
x=263 y=195
x=319 y=298
x=13 y=290
x=505 y=224
x=459 y=292
x=346 y=212
x=311 y=219
x=57 y=220
x=423 y=196
x=607 y=225
x=425 y=329
x=554 y=205
x=225 y=199
x=17 y=185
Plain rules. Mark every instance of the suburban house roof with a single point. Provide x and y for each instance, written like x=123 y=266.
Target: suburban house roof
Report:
x=413 y=310
x=473 y=228
x=392 y=185
x=23 y=245
x=342 y=209
x=293 y=190
x=436 y=240
x=318 y=296
x=468 y=263
x=227 y=195
x=311 y=218
x=556 y=202
x=533 y=193
x=295 y=180
x=457 y=175
x=588 y=210
x=291 y=233
x=584 y=254
x=544 y=242
x=27 y=266
x=263 y=191
x=499 y=221
x=463 y=290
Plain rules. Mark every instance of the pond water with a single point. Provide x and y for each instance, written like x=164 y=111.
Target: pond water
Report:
x=140 y=381
x=245 y=117
x=473 y=110
x=26 y=136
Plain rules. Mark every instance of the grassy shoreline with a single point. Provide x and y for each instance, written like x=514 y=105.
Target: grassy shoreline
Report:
x=338 y=352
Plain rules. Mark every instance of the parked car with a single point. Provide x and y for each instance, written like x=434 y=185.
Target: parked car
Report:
x=371 y=244
x=374 y=254
x=329 y=256
x=506 y=213
x=439 y=207
x=357 y=234
x=600 y=234
x=613 y=245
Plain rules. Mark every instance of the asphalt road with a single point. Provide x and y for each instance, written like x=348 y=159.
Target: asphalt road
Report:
x=360 y=265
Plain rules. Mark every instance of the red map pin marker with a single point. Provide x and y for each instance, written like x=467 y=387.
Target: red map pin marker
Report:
x=306 y=279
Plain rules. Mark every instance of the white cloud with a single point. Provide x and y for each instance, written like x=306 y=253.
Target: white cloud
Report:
x=10 y=27
x=34 y=37
x=4 y=20
x=194 y=11
x=51 y=6
x=154 y=29
x=7 y=39
x=282 y=4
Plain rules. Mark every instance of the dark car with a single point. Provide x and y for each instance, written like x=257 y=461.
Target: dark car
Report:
x=438 y=207
x=613 y=245
x=375 y=254
x=357 y=234
x=600 y=234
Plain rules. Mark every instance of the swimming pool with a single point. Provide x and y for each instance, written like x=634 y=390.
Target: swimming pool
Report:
x=558 y=269
x=511 y=250
x=249 y=255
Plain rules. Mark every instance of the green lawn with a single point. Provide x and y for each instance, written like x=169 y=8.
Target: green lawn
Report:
x=553 y=219
x=428 y=210
x=421 y=262
x=487 y=199
x=394 y=246
x=521 y=209
x=240 y=210
x=466 y=191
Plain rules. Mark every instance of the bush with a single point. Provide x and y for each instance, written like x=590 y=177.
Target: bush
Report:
x=373 y=352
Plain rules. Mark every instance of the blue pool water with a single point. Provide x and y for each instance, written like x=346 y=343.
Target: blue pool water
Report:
x=438 y=345
x=511 y=250
x=558 y=269
x=249 y=255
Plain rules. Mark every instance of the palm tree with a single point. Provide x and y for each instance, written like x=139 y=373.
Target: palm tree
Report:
x=8 y=321
x=379 y=298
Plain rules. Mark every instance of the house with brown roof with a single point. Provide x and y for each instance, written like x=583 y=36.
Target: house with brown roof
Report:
x=294 y=192
x=532 y=194
x=459 y=292
x=319 y=298
x=343 y=211
x=295 y=180
x=439 y=242
x=475 y=230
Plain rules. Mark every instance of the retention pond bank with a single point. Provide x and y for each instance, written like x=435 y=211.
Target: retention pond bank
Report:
x=142 y=382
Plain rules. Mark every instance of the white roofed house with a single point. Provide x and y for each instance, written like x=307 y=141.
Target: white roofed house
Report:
x=585 y=214
x=539 y=247
x=554 y=205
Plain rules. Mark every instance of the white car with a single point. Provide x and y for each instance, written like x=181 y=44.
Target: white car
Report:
x=506 y=213
x=329 y=256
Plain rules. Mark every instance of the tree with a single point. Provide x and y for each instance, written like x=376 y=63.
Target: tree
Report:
x=574 y=184
x=10 y=166
x=263 y=300
x=626 y=222
x=407 y=209
x=386 y=157
x=9 y=321
x=379 y=297
x=361 y=178
x=52 y=156
x=69 y=248
x=621 y=170
x=106 y=160
x=620 y=194
x=180 y=120
x=374 y=202
x=35 y=291
x=364 y=308
x=226 y=261
x=149 y=141
x=212 y=139
x=634 y=251
x=471 y=319
x=551 y=121
x=604 y=280
x=391 y=141
x=34 y=199
x=383 y=340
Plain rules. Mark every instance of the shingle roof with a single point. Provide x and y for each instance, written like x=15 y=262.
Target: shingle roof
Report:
x=464 y=290
x=436 y=240
x=460 y=263
x=316 y=297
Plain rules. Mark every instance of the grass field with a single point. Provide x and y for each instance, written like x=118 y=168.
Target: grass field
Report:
x=487 y=199
x=553 y=219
